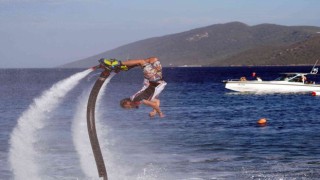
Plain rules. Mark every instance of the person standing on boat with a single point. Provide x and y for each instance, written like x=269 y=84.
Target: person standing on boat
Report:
x=303 y=78
x=254 y=75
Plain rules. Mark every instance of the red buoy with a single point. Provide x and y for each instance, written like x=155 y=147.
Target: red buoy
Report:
x=262 y=122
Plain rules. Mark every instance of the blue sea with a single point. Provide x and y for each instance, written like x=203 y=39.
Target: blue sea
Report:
x=208 y=132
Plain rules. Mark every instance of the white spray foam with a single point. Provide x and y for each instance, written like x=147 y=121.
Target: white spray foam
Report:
x=22 y=153
x=81 y=139
x=80 y=133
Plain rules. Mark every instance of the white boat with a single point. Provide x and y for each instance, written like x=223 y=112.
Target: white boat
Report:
x=286 y=83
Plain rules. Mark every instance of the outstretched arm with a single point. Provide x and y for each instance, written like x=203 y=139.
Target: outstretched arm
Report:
x=154 y=112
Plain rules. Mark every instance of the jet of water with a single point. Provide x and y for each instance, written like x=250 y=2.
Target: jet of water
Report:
x=22 y=152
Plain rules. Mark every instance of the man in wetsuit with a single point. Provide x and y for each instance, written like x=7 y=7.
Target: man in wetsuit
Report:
x=152 y=86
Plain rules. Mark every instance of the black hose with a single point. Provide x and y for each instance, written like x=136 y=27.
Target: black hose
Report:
x=92 y=127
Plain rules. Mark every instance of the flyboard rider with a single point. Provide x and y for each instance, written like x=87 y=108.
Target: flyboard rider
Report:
x=153 y=83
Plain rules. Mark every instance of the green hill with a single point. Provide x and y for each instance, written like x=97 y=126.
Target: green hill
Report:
x=305 y=52
x=216 y=45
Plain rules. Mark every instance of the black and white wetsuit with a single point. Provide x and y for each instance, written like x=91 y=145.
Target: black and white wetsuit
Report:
x=153 y=83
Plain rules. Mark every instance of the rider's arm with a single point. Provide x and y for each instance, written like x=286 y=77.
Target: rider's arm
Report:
x=152 y=104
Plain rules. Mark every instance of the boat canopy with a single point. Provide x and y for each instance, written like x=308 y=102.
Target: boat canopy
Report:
x=292 y=77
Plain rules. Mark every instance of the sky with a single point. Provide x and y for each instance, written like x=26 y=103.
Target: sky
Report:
x=49 y=33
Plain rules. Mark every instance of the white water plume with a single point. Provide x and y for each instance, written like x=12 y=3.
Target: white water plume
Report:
x=22 y=152
x=80 y=132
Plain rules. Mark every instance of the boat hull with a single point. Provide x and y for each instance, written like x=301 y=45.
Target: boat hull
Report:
x=271 y=86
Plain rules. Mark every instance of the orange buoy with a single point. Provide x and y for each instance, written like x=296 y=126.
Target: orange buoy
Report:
x=315 y=93
x=262 y=121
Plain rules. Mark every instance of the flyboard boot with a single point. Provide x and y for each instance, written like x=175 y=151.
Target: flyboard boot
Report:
x=109 y=65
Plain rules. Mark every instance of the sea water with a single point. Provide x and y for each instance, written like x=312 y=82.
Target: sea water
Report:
x=208 y=132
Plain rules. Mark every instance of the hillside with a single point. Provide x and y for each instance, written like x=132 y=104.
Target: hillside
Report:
x=301 y=53
x=211 y=45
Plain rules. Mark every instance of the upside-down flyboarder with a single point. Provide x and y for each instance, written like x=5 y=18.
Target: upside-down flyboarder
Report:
x=148 y=95
x=153 y=83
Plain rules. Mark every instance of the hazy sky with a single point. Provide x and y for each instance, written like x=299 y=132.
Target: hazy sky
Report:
x=48 y=33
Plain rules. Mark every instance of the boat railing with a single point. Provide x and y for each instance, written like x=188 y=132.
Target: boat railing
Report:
x=242 y=79
x=228 y=80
